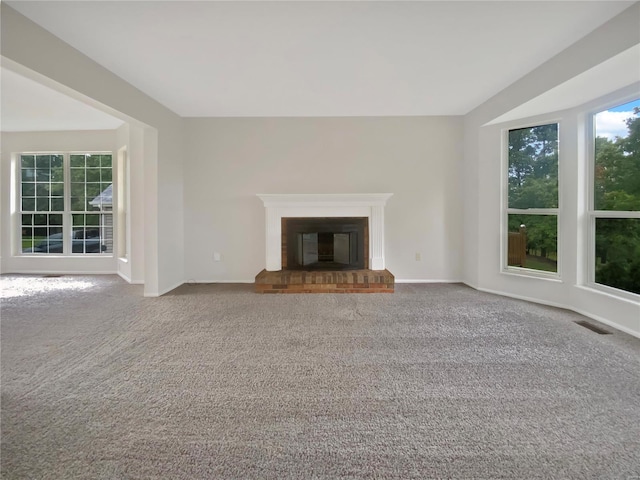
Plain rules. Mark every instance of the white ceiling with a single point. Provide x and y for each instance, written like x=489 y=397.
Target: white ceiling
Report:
x=294 y=58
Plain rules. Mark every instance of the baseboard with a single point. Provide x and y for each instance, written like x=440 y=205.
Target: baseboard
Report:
x=565 y=307
x=220 y=281
x=425 y=280
x=406 y=280
x=162 y=292
x=124 y=277
x=471 y=285
x=60 y=272
x=606 y=322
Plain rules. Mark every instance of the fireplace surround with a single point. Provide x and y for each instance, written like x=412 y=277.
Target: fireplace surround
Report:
x=367 y=205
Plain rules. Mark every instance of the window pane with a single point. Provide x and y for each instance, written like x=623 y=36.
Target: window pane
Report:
x=77 y=160
x=533 y=242
x=93 y=174
x=27 y=161
x=57 y=189
x=618 y=253
x=533 y=167
x=42 y=189
x=57 y=174
x=43 y=161
x=93 y=219
x=93 y=190
x=43 y=175
x=617 y=158
x=57 y=204
x=42 y=204
x=106 y=161
x=93 y=160
x=77 y=204
x=56 y=161
x=28 y=189
x=28 y=204
x=77 y=174
x=77 y=189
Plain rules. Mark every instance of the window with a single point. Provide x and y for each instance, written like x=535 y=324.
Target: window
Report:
x=66 y=203
x=615 y=212
x=532 y=200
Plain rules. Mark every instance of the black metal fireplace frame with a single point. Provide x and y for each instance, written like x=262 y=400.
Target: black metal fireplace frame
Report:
x=352 y=225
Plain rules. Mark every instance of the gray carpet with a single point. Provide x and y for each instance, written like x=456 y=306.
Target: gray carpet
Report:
x=215 y=381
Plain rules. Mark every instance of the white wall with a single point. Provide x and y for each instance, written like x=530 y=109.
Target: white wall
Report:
x=229 y=161
x=29 y=49
x=13 y=143
x=484 y=176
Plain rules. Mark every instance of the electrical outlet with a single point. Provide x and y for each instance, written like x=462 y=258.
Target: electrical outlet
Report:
x=418 y=256
x=216 y=256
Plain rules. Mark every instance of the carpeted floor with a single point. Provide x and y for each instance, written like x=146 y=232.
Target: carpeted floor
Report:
x=215 y=381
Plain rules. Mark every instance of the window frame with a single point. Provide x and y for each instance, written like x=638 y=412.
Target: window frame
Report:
x=591 y=213
x=67 y=213
x=505 y=268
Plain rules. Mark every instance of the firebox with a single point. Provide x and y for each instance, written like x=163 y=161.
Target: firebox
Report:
x=325 y=243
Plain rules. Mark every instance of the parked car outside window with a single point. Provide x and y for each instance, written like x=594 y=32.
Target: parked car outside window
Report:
x=83 y=241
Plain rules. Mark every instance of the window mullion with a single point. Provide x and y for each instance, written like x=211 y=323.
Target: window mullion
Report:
x=66 y=217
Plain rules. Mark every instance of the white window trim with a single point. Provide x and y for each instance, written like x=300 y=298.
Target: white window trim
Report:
x=505 y=268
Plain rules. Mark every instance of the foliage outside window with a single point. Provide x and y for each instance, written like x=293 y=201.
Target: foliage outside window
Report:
x=532 y=210
x=616 y=198
x=66 y=204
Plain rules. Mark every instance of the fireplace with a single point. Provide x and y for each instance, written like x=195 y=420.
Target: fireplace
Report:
x=324 y=243
x=356 y=205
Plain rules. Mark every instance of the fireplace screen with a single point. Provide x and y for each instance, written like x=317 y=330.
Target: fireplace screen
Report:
x=325 y=243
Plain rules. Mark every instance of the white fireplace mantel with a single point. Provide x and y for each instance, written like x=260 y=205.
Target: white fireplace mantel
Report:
x=279 y=206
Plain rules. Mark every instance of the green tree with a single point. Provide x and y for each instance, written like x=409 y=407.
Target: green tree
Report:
x=617 y=188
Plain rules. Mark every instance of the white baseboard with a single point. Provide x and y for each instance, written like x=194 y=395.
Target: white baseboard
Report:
x=424 y=280
x=622 y=328
x=124 y=277
x=220 y=281
x=162 y=292
x=60 y=272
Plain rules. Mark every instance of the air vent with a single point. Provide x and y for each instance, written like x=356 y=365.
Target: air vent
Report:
x=592 y=327
x=53 y=275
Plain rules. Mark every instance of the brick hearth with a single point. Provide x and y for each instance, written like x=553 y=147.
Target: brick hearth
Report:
x=348 y=281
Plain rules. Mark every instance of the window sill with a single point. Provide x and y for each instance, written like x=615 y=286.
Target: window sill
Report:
x=533 y=274
x=612 y=293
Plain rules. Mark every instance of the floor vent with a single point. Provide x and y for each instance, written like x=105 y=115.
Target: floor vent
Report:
x=53 y=275
x=591 y=326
